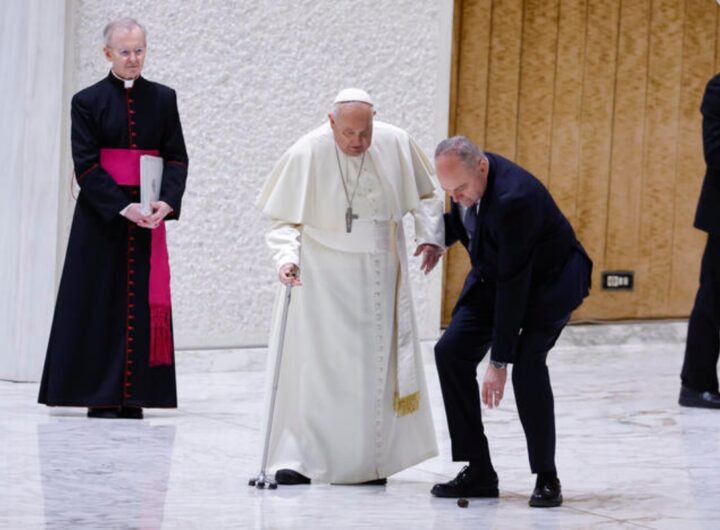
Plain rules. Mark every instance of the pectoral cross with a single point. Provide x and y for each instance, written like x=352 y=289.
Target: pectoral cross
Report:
x=349 y=216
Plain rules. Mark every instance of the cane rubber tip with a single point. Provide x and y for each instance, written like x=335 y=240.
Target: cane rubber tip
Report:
x=273 y=486
x=463 y=503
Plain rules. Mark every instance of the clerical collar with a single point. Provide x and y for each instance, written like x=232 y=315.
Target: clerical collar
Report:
x=127 y=83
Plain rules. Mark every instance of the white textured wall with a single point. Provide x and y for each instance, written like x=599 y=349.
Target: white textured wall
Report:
x=251 y=78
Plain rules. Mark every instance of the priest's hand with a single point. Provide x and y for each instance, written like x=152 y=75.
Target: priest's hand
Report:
x=493 y=387
x=289 y=274
x=431 y=254
x=134 y=214
x=160 y=210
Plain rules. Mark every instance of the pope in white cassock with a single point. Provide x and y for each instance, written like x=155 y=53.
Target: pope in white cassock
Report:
x=352 y=404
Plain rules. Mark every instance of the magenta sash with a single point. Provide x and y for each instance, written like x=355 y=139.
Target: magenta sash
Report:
x=123 y=165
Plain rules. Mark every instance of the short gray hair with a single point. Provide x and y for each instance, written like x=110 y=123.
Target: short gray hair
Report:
x=125 y=23
x=461 y=147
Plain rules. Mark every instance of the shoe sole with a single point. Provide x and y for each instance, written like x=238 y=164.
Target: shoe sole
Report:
x=486 y=494
x=546 y=504
x=697 y=404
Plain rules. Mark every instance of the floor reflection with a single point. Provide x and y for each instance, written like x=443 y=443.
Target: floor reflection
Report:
x=115 y=471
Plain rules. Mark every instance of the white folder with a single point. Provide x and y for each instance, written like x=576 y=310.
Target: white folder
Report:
x=151 y=170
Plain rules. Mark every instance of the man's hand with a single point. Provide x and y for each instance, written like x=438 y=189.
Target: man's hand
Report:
x=431 y=254
x=493 y=386
x=160 y=210
x=289 y=274
x=134 y=214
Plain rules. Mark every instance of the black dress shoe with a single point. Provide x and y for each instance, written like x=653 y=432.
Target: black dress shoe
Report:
x=376 y=482
x=131 y=413
x=109 y=413
x=693 y=398
x=468 y=483
x=547 y=494
x=289 y=477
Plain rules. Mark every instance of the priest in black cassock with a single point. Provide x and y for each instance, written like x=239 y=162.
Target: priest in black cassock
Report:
x=111 y=346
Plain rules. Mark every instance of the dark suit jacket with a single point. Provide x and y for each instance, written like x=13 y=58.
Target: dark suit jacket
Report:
x=707 y=216
x=528 y=268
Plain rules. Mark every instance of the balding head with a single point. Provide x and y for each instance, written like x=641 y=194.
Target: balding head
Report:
x=124 y=25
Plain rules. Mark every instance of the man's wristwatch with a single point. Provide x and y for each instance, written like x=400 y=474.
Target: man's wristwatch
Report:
x=498 y=364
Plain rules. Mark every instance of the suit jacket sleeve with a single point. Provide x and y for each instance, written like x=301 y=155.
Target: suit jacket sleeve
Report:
x=175 y=159
x=96 y=184
x=520 y=223
x=711 y=124
x=451 y=229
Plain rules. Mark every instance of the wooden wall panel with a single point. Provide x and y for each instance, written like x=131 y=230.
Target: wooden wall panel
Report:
x=472 y=62
x=627 y=163
x=537 y=83
x=661 y=127
x=598 y=91
x=600 y=100
x=504 y=77
x=567 y=106
x=697 y=67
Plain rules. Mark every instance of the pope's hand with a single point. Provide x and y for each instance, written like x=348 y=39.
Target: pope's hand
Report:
x=289 y=274
x=431 y=254
x=493 y=386
x=134 y=214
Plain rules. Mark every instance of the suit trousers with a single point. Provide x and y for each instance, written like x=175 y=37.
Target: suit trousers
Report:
x=457 y=355
x=699 y=370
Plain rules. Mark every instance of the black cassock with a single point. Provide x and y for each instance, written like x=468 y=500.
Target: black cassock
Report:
x=98 y=352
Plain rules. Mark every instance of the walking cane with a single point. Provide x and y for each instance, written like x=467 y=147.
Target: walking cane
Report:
x=262 y=480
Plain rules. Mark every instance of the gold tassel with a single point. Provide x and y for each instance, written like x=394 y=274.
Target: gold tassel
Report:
x=407 y=404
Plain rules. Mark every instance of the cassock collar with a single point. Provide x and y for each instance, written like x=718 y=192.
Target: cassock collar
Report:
x=122 y=83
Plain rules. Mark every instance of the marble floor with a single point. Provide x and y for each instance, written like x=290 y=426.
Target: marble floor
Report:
x=628 y=457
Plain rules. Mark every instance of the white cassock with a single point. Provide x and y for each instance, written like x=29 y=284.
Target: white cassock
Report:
x=352 y=403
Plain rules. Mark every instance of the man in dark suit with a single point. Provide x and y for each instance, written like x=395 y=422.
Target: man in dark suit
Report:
x=529 y=272
x=699 y=372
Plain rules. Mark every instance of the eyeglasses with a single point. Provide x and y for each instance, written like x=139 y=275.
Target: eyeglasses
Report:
x=126 y=54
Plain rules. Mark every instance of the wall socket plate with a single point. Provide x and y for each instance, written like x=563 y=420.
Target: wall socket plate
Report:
x=618 y=280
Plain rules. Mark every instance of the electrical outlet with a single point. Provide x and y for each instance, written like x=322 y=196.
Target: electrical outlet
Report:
x=618 y=280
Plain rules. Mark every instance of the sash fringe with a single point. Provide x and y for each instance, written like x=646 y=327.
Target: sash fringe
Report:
x=407 y=404
x=161 y=345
